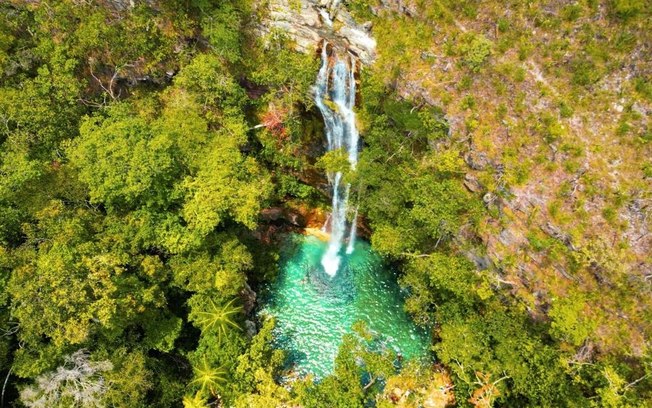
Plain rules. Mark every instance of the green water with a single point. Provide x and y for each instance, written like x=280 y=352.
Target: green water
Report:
x=313 y=311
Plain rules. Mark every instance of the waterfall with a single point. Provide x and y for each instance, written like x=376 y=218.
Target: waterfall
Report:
x=337 y=82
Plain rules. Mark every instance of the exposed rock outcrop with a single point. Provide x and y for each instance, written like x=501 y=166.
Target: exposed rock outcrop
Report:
x=406 y=7
x=274 y=214
x=309 y=22
x=248 y=297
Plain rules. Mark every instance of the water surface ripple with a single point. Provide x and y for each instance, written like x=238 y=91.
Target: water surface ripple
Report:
x=314 y=310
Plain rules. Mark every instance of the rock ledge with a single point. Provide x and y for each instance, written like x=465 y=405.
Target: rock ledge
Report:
x=309 y=22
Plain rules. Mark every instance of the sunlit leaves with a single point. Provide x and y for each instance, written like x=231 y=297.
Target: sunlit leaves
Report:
x=77 y=288
x=447 y=163
x=294 y=79
x=393 y=240
x=498 y=342
x=440 y=206
x=42 y=112
x=257 y=370
x=195 y=401
x=437 y=278
x=476 y=49
x=209 y=378
x=224 y=271
x=207 y=79
x=219 y=319
x=123 y=162
x=228 y=185
x=221 y=25
x=571 y=319
x=98 y=213
x=130 y=380
x=335 y=161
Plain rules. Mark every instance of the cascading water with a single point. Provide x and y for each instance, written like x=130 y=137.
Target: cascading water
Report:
x=341 y=133
x=324 y=288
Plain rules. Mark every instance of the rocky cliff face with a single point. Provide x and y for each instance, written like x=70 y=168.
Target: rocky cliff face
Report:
x=309 y=22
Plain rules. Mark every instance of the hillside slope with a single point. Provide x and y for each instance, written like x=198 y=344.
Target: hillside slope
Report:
x=549 y=104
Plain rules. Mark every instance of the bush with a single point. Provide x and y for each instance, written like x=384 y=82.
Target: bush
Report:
x=584 y=72
x=476 y=52
x=647 y=170
x=502 y=24
x=551 y=129
x=626 y=9
x=571 y=12
x=643 y=87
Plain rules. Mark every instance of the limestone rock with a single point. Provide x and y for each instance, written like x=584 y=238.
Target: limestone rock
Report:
x=309 y=22
x=472 y=184
x=250 y=328
x=273 y=214
x=482 y=262
x=295 y=219
x=406 y=7
x=248 y=297
x=477 y=160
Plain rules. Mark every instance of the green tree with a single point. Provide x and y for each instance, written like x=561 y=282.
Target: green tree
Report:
x=213 y=318
x=257 y=370
x=125 y=164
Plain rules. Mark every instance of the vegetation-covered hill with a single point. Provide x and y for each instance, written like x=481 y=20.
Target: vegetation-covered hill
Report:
x=549 y=105
x=505 y=172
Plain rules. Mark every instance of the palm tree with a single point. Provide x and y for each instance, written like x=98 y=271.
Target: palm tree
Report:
x=197 y=401
x=208 y=378
x=220 y=317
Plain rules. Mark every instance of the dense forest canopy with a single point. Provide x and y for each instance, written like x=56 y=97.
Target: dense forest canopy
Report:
x=505 y=174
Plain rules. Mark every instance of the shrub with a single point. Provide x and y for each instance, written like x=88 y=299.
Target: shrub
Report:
x=551 y=129
x=565 y=110
x=643 y=87
x=584 y=72
x=476 y=52
x=647 y=170
x=626 y=9
x=502 y=24
x=571 y=12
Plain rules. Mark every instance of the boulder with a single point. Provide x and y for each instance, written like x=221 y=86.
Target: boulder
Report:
x=295 y=219
x=472 y=184
x=250 y=328
x=477 y=160
x=271 y=214
x=248 y=297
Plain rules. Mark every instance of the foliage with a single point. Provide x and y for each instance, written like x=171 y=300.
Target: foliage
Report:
x=571 y=320
x=257 y=371
x=627 y=8
x=146 y=161
x=216 y=319
x=138 y=146
x=208 y=378
x=196 y=401
x=335 y=161
x=476 y=50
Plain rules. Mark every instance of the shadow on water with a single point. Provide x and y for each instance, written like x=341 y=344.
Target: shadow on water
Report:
x=313 y=310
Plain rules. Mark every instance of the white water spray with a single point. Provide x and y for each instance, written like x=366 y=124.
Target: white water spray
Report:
x=341 y=133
